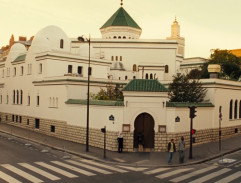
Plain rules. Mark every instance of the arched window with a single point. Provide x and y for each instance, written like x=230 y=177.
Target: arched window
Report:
x=17 y=97
x=146 y=76
x=13 y=96
x=116 y=58
x=70 y=68
x=61 y=43
x=120 y=58
x=240 y=109
x=151 y=76
x=231 y=109
x=112 y=58
x=236 y=109
x=119 y=37
x=124 y=37
x=166 y=69
x=134 y=67
x=114 y=37
x=21 y=96
x=126 y=77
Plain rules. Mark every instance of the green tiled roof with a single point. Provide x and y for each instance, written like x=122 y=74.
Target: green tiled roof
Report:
x=121 y=18
x=96 y=102
x=20 y=58
x=186 y=104
x=145 y=85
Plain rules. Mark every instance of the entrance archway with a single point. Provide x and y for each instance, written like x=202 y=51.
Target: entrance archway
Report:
x=144 y=125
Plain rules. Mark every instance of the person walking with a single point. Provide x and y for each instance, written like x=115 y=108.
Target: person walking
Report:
x=181 y=150
x=171 y=149
x=120 y=142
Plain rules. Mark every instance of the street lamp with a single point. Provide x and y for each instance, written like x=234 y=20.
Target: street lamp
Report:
x=82 y=39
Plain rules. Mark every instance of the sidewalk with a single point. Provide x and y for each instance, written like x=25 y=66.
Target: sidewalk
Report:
x=201 y=153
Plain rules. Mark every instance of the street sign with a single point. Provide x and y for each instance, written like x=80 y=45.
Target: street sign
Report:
x=111 y=118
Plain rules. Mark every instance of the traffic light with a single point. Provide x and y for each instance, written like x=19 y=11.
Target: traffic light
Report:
x=192 y=111
x=193 y=131
x=103 y=130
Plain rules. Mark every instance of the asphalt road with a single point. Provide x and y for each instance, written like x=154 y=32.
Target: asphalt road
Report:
x=22 y=162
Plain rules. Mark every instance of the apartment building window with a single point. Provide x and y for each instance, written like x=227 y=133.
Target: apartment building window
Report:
x=231 y=109
x=61 y=43
x=21 y=96
x=70 y=68
x=21 y=70
x=14 y=71
x=80 y=70
x=37 y=123
x=38 y=100
x=40 y=68
x=28 y=100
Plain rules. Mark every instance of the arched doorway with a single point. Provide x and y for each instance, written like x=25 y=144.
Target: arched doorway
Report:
x=144 y=124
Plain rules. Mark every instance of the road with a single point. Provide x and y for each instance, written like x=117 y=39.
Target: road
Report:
x=24 y=162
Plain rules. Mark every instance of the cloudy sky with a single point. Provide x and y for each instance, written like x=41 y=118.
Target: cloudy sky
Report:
x=205 y=24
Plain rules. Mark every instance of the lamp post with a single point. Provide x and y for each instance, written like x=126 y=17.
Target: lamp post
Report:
x=81 y=39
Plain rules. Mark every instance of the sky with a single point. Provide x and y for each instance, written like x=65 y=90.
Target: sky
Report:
x=205 y=24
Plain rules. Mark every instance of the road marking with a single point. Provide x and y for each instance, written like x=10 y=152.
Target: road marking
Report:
x=8 y=178
x=133 y=168
x=103 y=166
x=73 y=168
x=230 y=178
x=211 y=176
x=158 y=170
x=119 y=160
x=192 y=174
x=89 y=167
x=233 y=163
x=39 y=171
x=165 y=175
x=55 y=169
x=22 y=173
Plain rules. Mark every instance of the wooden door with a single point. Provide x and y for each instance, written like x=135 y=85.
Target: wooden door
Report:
x=144 y=124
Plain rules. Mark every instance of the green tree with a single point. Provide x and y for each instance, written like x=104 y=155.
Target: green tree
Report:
x=110 y=93
x=184 y=89
x=230 y=64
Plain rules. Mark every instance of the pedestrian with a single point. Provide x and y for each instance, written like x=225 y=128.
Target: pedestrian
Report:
x=181 y=150
x=171 y=149
x=120 y=142
x=140 y=137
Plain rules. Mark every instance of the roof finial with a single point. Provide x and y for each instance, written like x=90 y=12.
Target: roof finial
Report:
x=121 y=3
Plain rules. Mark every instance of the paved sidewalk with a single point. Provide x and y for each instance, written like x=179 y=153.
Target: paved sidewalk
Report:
x=201 y=153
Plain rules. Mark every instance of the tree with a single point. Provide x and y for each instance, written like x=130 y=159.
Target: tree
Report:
x=111 y=93
x=183 y=89
x=230 y=64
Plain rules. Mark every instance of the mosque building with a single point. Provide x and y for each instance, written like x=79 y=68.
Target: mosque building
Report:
x=44 y=81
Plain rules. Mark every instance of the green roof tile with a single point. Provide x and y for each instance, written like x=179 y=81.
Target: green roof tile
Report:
x=186 y=104
x=96 y=102
x=145 y=85
x=121 y=18
x=20 y=58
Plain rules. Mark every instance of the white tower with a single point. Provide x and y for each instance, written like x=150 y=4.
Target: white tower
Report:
x=175 y=35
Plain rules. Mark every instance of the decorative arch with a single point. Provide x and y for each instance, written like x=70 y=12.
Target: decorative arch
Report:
x=144 y=127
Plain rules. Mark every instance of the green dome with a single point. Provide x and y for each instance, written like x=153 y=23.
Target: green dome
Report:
x=121 y=18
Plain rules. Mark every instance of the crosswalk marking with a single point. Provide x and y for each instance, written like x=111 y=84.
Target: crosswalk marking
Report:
x=230 y=178
x=39 y=171
x=136 y=169
x=104 y=166
x=55 y=169
x=22 y=173
x=89 y=167
x=73 y=168
x=165 y=175
x=8 y=178
x=210 y=176
x=192 y=174
x=158 y=170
